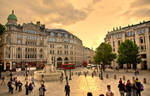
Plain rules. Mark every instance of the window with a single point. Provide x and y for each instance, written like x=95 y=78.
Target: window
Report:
x=144 y=30
x=18 y=41
x=41 y=56
x=132 y=33
x=65 y=46
x=51 y=39
x=19 y=35
x=143 y=56
x=119 y=35
x=113 y=43
x=65 y=40
x=66 y=35
x=128 y=34
x=119 y=42
x=142 y=48
x=51 y=45
x=141 y=40
x=71 y=46
x=71 y=41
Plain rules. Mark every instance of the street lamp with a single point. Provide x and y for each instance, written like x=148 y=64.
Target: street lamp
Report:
x=70 y=75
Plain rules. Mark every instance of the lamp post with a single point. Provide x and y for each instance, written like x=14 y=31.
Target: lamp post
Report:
x=70 y=75
x=66 y=77
x=101 y=76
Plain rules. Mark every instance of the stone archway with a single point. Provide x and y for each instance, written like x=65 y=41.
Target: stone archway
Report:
x=59 y=62
x=66 y=60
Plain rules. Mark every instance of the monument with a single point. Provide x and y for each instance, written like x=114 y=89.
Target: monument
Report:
x=49 y=73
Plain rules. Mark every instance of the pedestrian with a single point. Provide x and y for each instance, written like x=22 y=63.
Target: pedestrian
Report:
x=16 y=84
x=121 y=87
x=30 y=88
x=120 y=80
x=33 y=81
x=3 y=80
x=27 y=88
x=89 y=94
x=109 y=92
x=20 y=86
x=10 y=87
x=128 y=88
x=134 y=88
x=42 y=90
x=67 y=89
x=139 y=87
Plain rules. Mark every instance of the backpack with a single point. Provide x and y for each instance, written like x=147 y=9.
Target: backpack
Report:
x=30 y=88
x=141 y=87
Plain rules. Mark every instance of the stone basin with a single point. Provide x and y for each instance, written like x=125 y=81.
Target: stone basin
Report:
x=50 y=76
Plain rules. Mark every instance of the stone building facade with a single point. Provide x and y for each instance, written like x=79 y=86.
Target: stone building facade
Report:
x=138 y=33
x=34 y=45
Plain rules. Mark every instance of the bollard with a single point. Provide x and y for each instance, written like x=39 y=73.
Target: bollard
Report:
x=144 y=80
x=115 y=77
x=124 y=77
x=107 y=76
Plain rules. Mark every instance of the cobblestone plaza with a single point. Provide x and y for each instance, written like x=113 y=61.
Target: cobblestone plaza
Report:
x=80 y=85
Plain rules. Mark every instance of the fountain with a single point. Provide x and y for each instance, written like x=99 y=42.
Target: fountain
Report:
x=49 y=73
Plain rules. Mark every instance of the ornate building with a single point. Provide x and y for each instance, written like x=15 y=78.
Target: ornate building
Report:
x=35 y=45
x=139 y=33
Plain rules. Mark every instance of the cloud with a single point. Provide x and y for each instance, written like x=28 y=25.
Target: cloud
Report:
x=48 y=11
x=138 y=9
x=139 y=3
x=63 y=13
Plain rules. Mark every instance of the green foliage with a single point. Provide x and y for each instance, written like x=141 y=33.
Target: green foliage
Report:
x=2 y=29
x=128 y=53
x=104 y=54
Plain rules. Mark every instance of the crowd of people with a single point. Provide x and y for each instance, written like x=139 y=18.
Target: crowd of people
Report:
x=130 y=89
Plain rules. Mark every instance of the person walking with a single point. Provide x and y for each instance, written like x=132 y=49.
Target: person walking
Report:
x=10 y=87
x=32 y=79
x=27 y=88
x=16 y=84
x=134 y=88
x=3 y=80
x=128 y=88
x=121 y=88
x=20 y=86
x=139 y=87
x=30 y=88
x=109 y=92
x=67 y=89
x=42 y=90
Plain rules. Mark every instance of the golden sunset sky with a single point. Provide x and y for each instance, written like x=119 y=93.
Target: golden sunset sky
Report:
x=90 y=20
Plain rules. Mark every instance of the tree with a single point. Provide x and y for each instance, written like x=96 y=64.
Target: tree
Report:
x=2 y=29
x=128 y=54
x=104 y=54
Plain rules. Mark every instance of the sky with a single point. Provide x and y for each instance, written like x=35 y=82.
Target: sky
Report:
x=89 y=20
